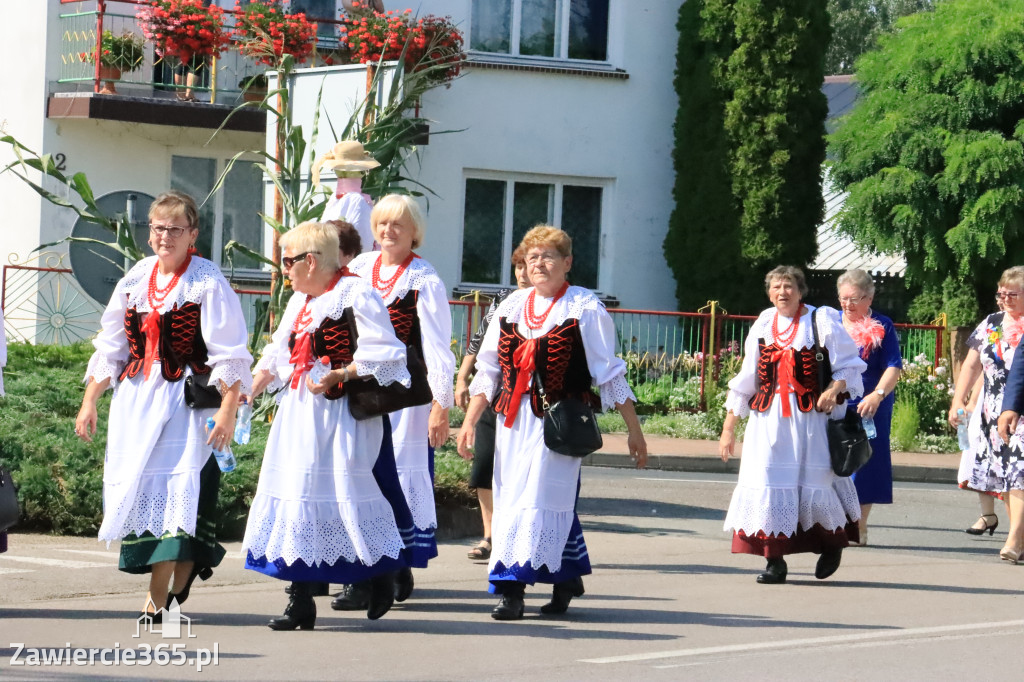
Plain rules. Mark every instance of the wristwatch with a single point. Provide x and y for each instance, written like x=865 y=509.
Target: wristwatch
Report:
x=880 y=392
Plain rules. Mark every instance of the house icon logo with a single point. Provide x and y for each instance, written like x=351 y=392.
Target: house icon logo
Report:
x=165 y=622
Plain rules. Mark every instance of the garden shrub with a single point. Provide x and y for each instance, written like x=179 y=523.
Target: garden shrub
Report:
x=905 y=420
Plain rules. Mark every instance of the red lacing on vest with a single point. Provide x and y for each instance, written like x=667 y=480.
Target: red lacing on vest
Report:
x=335 y=340
x=559 y=344
x=136 y=344
x=180 y=343
x=805 y=376
x=507 y=343
x=403 y=316
x=181 y=325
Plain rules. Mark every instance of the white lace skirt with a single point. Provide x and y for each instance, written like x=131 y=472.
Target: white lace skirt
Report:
x=412 y=458
x=534 y=494
x=317 y=498
x=786 y=478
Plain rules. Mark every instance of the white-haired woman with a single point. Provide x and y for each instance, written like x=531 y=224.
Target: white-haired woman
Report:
x=787 y=499
x=319 y=514
x=879 y=345
x=418 y=303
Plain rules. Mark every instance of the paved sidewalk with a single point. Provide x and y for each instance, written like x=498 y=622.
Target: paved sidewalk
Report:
x=680 y=454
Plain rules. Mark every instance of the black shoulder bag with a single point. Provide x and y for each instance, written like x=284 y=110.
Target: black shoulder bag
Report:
x=570 y=427
x=848 y=443
x=199 y=394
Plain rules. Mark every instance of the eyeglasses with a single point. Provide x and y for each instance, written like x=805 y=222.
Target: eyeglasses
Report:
x=289 y=261
x=1009 y=296
x=172 y=231
x=852 y=300
x=546 y=258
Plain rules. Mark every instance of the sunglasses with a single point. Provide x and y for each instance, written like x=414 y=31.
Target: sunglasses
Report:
x=289 y=261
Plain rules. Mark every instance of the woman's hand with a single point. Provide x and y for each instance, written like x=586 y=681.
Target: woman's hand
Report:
x=466 y=440
x=869 y=405
x=85 y=422
x=332 y=378
x=260 y=381
x=955 y=406
x=224 y=426
x=827 y=399
x=1007 y=424
x=637 y=445
x=437 y=426
x=727 y=442
x=461 y=393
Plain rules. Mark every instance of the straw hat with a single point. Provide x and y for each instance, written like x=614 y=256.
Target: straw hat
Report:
x=345 y=156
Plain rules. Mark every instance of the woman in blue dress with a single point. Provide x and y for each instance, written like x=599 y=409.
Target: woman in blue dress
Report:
x=875 y=336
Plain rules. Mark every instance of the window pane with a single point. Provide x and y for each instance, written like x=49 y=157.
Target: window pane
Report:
x=492 y=25
x=317 y=9
x=588 y=29
x=533 y=205
x=581 y=219
x=243 y=199
x=537 y=28
x=195 y=177
x=482 y=233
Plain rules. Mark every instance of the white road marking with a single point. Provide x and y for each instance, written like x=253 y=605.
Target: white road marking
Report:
x=807 y=642
x=686 y=480
x=94 y=552
x=60 y=563
x=6 y=571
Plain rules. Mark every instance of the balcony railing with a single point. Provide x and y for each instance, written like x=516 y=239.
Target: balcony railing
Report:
x=219 y=81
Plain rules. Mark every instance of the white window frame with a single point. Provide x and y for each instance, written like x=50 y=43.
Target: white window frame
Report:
x=559 y=182
x=562 y=16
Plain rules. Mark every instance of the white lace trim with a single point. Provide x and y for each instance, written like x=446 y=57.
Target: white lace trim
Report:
x=156 y=512
x=200 y=277
x=534 y=535
x=778 y=511
x=321 y=531
x=230 y=371
x=482 y=384
x=419 y=493
x=737 y=403
x=441 y=387
x=415 y=276
x=384 y=372
x=577 y=300
x=332 y=304
x=615 y=393
x=100 y=368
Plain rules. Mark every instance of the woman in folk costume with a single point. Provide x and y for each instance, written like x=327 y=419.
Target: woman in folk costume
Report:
x=349 y=161
x=998 y=466
x=318 y=514
x=788 y=499
x=562 y=335
x=418 y=303
x=173 y=315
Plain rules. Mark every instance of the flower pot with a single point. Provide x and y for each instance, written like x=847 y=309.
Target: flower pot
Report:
x=254 y=94
x=109 y=74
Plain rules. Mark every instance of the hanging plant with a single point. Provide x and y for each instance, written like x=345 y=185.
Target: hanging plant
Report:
x=266 y=32
x=124 y=52
x=186 y=30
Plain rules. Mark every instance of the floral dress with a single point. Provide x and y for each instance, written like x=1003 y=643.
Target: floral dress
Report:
x=998 y=467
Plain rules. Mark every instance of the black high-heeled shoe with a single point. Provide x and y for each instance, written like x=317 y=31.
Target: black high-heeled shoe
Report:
x=981 y=531
x=828 y=563
x=382 y=595
x=775 y=573
x=300 y=612
x=202 y=572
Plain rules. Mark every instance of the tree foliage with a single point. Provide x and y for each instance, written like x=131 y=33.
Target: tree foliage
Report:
x=933 y=153
x=749 y=145
x=857 y=25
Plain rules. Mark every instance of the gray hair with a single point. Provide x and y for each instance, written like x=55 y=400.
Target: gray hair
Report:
x=857 y=278
x=794 y=275
x=314 y=237
x=1013 y=276
x=398 y=206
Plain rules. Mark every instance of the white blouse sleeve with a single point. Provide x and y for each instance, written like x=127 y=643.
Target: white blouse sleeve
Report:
x=226 y=337
x=487 y=368
x=379 y=353
x=275 y=357
x=842 y=352
x=435 y=317
x=608 y=371
x=111 y=344
x=743 y=385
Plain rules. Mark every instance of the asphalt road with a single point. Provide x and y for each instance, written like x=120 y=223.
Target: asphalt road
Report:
x=667 y=601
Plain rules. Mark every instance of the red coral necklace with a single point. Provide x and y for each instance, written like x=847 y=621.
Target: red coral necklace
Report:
x=790 y=336
x=157 y=295
x=386 y=286
x=305 y=316
x=536 y=322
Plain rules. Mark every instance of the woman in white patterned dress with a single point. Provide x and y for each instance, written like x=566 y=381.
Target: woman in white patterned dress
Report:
x=418 y=304
x=563 y=335
x=787 y=499
x=173 y=315
x=318 y=514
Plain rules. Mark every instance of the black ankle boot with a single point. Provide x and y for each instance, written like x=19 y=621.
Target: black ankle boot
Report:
x=828 y=563
x=202 y=572
x=300 y=612
x=381 y=595
x=511 y=605
x=317 y=589
x=775 y=573
x=354 y=597
x=562 y=594
x=403 y=584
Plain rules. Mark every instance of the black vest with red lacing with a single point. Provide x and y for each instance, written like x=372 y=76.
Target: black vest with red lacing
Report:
x=336 y=340
x=405 y=320
x=805 y=372
x=561 y=364
x=181 y=342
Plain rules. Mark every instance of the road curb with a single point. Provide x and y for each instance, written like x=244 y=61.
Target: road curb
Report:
x=714 y=465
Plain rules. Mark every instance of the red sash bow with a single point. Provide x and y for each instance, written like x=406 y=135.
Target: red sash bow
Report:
x=302 y=357
x=151 y=328
x=787 y=382
x=525 y=360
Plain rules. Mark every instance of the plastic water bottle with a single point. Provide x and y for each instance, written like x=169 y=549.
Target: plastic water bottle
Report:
x=869 y=427
x=225 y=460
x=961 y=429
x=243 y=423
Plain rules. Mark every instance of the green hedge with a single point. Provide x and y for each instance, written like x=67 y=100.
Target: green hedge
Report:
x=60 y=478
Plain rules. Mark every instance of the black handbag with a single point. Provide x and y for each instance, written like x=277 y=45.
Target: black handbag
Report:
x=848 y=444
x=570 y=427
x=367 y=398
x=199 y=394
x=9 y=512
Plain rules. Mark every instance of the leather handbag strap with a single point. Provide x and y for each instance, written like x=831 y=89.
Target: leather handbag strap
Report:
x=819 y=356
x=540 y=389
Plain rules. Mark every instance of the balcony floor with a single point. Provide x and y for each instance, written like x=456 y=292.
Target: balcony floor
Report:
x=154 y=110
